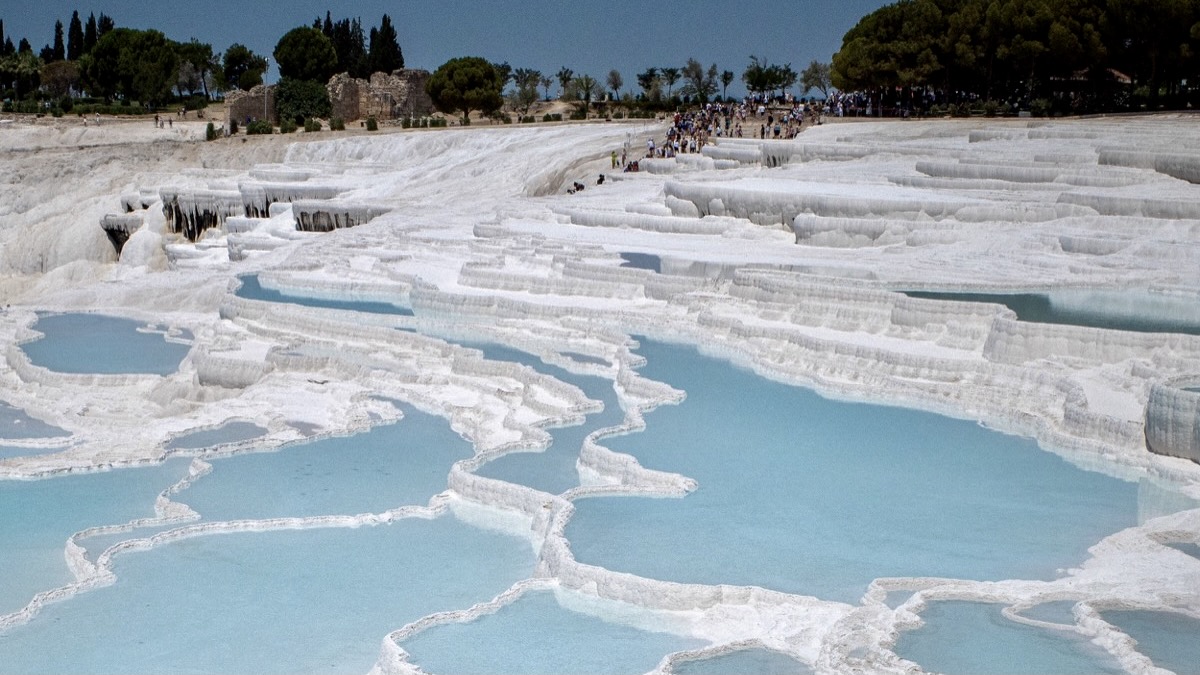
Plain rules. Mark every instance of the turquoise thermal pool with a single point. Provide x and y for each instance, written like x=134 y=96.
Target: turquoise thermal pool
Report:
x=1170 y=640
x=382 y=468
x=40 y=515
x=552 y=470
x=744 y=662
x=95 y=343
x=284 y=601
x=781 y=505
x=1131 y=310
x=251 y=288
x=539 y=636
x=969 y=638
x=233 y=432
x=15 y=423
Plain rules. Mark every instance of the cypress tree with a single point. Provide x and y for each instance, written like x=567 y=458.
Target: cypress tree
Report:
x=59 y=52
x=89 y=34
x=104 y=25
x=385 y=55
x=75 y=38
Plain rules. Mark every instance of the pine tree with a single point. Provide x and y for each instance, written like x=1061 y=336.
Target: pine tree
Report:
x=75 y=38
x=89 y=34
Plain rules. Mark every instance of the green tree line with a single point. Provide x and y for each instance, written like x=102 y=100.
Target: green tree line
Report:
x=102 y=61
x=1081 y=55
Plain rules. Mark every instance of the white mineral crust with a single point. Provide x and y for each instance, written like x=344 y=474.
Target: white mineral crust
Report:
x=781 y=255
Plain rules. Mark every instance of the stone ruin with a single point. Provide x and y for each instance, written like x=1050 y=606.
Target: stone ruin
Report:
x=385 y=96
x=243 y=105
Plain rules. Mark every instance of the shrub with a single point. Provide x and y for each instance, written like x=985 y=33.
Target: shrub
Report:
x=555 y=117
x=528 y=119
x=197 y=102
x=578 y=115
x=438 y=122
x=405 y=123
x=259 y=127
x=311 y=125
x=210 y=132
x=337 y=124
x=27 y=107
x=990 y=108
x=372 y=124
x=1040 y=107
x=67 y=103
x=57 y=112
x=299 y=100
x=286 y=125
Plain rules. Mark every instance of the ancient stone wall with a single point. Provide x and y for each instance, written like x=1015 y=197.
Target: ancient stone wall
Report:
x=385 y=96
x=345 y=96
x=243 y=105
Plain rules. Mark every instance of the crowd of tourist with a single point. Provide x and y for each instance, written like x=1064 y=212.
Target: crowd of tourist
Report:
x=691 y=131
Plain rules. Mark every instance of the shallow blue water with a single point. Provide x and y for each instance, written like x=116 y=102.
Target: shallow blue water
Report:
x=535 y=635
x=1170 y=640
x=10 y=451
x=1115 y=310
x=1186 y=547
x=388 y=466
x=39 y=516
x=95 y=343
x=251 y=289
x=15 y=423
x=641 y=261
x=232 y=432
x=1059 y=611
x=307 y=601
x=967 y=638
x=554 y=470
x=807 y=495
x=586 y=358
x=745 y=662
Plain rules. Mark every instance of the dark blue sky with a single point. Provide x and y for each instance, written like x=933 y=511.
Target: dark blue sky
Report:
x=590 y=37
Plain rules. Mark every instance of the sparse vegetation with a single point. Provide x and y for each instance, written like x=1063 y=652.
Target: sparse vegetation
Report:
x=260 y=127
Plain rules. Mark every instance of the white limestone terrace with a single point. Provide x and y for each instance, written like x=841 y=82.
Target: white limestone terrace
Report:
x=474 y=230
